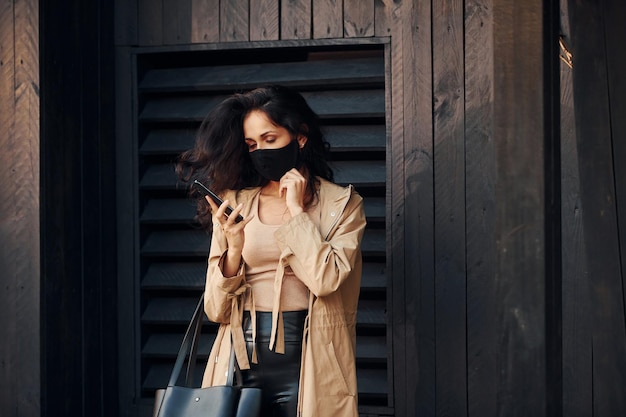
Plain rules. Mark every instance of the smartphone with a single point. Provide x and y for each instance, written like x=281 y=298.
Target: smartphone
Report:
x=205 y=190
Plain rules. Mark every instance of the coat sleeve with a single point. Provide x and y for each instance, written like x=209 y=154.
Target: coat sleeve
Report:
x=323 y=265
x=220 y=290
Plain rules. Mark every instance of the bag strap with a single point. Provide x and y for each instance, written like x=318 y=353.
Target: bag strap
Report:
x=195 y=341
x=191 y=336
x=191 y=339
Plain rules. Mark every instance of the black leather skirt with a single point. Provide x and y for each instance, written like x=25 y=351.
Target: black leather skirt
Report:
x=276 y=374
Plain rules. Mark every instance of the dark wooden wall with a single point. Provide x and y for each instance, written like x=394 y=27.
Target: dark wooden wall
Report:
x=506 y=194
x=78 y=321
x=20 y=348
x=593 y=144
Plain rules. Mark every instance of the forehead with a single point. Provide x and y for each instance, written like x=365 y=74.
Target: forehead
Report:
x=257 y=123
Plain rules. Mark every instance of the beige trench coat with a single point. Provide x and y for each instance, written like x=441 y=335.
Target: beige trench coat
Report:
x=328 y=260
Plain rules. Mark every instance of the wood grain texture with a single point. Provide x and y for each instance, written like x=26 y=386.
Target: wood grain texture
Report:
x=576 y=323
x=412 y=230
x=358 y=18
x=205 y=21
x=327 y=19
x=449 y=194
x=125 y=22
x=480 y=206
x=519 y=131
x=295 y=19
x=176 y=22
x=382 y=17
x=264 y=20
x=150 y=22
x=126 y=208
x=614 y=15
x=598 y=199
x=19 y=209
x=234 y=21
x=8 y=297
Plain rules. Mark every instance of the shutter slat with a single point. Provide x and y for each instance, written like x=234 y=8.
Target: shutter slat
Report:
x=181 y=243
x=176 y=109
x=169 y=211
x=347 y=104
x=191 y=276
x=362 y=71
x=368 y=379
x=168 y=141
x=166 y=345
x=349 y=138
x=342 y=138
x=327 y=104
x=178 y=311
x=360 y=173
x=357 y=173
x=175 y=276
x=182 y=210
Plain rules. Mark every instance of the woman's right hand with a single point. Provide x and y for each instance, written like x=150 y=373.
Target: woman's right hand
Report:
x=233 y=232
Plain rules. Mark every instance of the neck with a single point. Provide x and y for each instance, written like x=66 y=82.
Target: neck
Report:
x=271 y=188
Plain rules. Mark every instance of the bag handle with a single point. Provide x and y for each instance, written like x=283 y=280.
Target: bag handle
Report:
x=192 y=339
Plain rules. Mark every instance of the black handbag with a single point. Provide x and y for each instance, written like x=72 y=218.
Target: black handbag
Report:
x=219 y=401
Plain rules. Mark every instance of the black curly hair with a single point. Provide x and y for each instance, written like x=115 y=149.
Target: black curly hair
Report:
x=220 y=157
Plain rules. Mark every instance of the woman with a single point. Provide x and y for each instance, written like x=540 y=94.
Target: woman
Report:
x=284 y=282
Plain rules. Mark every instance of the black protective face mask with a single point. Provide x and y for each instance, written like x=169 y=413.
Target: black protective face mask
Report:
x=274 y=163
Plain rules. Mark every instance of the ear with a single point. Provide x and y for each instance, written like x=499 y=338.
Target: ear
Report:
x=302 y=141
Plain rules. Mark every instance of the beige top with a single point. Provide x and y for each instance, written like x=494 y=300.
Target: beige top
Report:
x=261 y=254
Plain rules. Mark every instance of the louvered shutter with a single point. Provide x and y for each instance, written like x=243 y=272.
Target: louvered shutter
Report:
x=347 y=89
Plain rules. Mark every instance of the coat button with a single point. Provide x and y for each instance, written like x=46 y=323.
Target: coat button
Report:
x=332 y=214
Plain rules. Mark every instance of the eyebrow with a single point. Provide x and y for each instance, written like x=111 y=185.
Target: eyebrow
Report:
x=263 y=134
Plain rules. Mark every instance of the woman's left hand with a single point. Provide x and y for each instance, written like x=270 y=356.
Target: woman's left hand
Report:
x=293 y=188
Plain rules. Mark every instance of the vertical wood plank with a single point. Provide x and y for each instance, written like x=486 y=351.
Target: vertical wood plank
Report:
x=382 y=17
x=234 y=21
x=412 y=145
x=520 y=274
x=403 y=331
x=205 y=21
x=19 y=208
x=450 y=291
x=125 y=22
x=598 y=199
x=615 y=14
x=482 y=334
x=327 y=19
x=404 y=337
x=150 y=22
x=358 y=18
x=295 y=19
x=76 y=128
x=60 y=198
x=126 y=149
x=265 y=22
x=553 y=206
x=576 y=323
x=419 y=170
x=394 y=244
x=176 y=22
